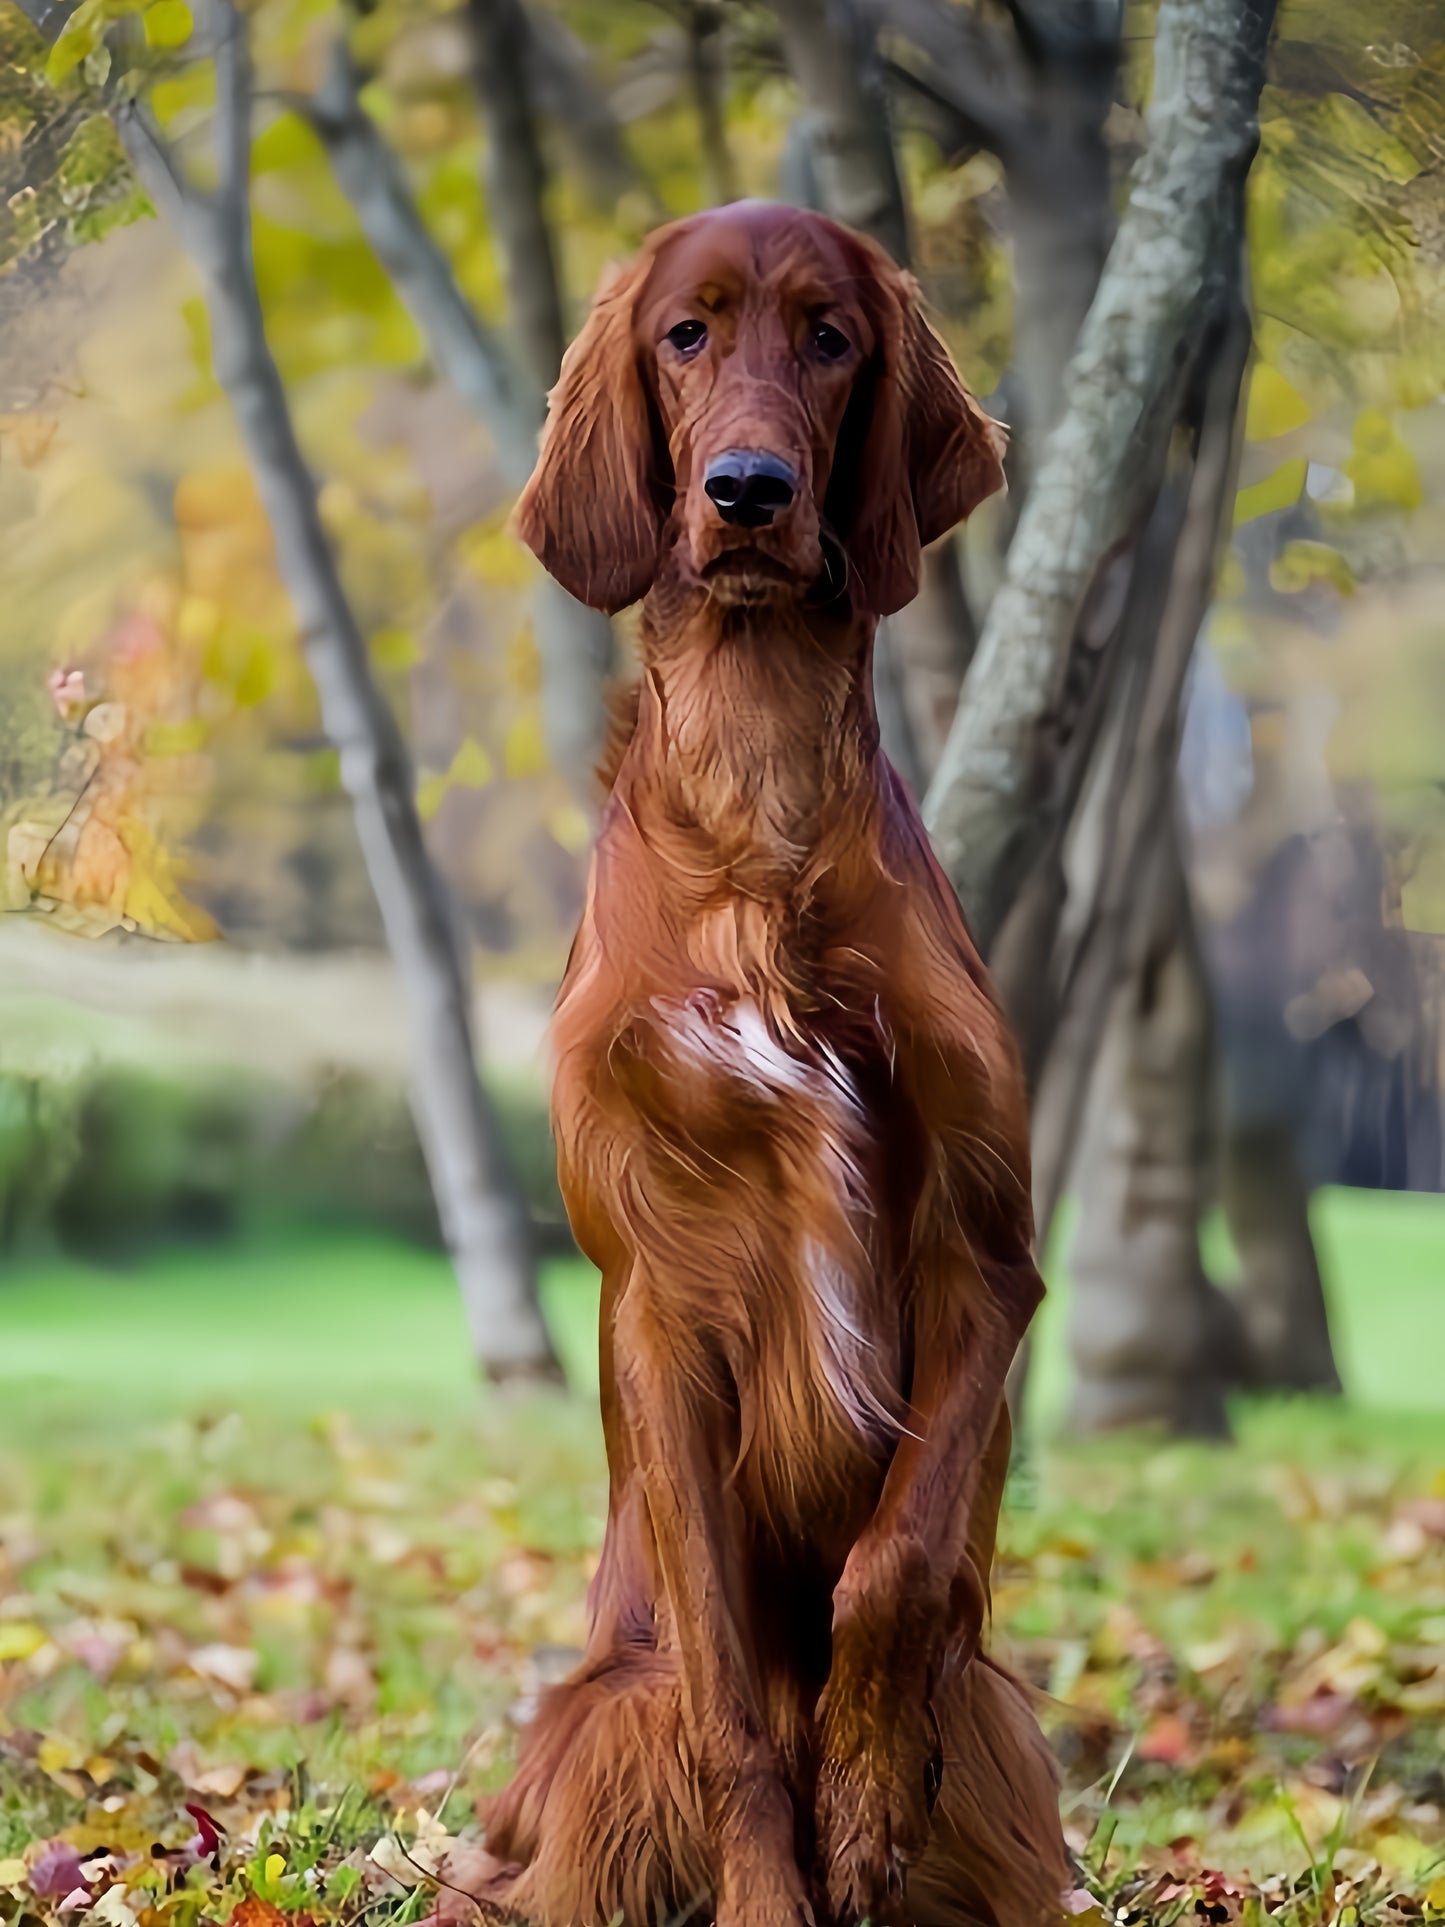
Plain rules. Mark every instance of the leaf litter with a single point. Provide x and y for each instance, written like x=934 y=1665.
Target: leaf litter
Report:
x=257 y=1673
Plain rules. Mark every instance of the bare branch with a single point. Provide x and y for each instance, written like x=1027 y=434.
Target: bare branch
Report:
x=1159 y=289
x=465 y=349
x=575 y=643
x=967 y=67
x=565 y=90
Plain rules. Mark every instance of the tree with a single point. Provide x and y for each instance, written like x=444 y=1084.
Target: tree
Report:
x=575 y=642
x=480 y=1207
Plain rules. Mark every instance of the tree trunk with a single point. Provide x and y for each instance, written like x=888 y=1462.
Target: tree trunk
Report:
x=707 y=72
x=989 y=805
x=574 y=642
x=832 y=54
x=1281 y=1295
x=517 y=185
x=479 y=1204
x=1152 y=1341
x=933 y=642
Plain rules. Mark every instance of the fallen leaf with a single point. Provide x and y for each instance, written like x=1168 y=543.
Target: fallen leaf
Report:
x=1165 y=1740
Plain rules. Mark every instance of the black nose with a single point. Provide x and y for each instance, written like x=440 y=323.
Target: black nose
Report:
x=750 y=487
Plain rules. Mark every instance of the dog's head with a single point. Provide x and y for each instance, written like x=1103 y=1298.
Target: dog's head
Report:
x=759 y=384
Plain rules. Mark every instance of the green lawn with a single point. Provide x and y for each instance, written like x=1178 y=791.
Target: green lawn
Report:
x=298 y=1315
x=266 y=1547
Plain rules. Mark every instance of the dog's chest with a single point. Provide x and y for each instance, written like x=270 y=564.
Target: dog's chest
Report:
x=783 y=1154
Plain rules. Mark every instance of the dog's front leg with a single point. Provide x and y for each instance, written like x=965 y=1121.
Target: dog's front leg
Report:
x=745 y=1802
x=910 y=1591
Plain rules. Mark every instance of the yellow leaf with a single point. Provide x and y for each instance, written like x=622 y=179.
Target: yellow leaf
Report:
x=175 y=739
x=1299 y=564
x=496 y=558
x=168 y=24
x=1281 y=490
x=526 y=753
x=1434 y=1894
x=1275 y=405
x=152 y=897
x=257 y=679
x=275 y=1866
x=77 y=38
x=19 y=1638
x=570 y=827
x=471 y=766
x=1381 y=466
x=173 y=94
x=12 y=1872
x=394 y=649
x=100 y=1767
x=55 y=1754
x=429 y=793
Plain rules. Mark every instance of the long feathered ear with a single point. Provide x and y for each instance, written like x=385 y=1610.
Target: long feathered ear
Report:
x=917 y=452
x=590 y=512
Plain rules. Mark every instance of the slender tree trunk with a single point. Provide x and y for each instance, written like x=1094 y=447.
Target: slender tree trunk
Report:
x=707 y=72
x=831 y=47
x=1151 y=1339
x=1281 y=1294
x=575 y=643
x=479 y=1204
x=933 y=644
x=517 y=185
x=832 y=53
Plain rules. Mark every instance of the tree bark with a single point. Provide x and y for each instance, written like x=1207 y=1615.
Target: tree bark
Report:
x=832 y=53
x=1281 y=1294
x=479 y=1205
x=1139 y=785
x=1151 y=1339
x=707 y=72
x=575 y=643
x=517 y=185
x=986 y=808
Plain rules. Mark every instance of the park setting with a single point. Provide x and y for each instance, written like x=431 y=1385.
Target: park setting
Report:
x=319 y=1396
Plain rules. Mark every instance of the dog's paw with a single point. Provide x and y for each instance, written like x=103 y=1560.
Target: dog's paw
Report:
x=866 y=1837
x=758 y=1893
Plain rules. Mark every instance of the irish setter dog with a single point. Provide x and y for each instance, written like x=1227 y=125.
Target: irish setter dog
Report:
x=792 y=1137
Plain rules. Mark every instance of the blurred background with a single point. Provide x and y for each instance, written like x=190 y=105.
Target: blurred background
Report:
x=230 y=1024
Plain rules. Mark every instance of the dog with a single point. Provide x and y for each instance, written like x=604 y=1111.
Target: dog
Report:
x=791 y=1134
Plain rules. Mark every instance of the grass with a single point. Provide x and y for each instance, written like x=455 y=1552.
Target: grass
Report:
x=266 y=1549
x=292 y=1316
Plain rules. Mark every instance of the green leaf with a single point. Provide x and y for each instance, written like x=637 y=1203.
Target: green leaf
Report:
x=168 y=24
x=1277 y=491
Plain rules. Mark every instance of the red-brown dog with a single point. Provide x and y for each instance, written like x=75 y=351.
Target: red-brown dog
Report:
x=792 y=1136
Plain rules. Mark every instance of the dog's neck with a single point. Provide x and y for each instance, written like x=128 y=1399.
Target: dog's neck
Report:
x=757 y=729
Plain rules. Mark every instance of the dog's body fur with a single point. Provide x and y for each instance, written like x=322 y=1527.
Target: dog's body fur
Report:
x=792 y=1136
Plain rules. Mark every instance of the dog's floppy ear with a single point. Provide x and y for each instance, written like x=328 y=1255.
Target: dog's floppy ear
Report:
x=924 y=454
x=590 y=512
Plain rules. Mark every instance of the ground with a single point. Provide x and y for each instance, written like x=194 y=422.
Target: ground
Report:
x=276 y=1583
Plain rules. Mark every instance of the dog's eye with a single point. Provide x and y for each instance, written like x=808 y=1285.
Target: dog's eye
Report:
x=831 y=343
x=687 y=337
